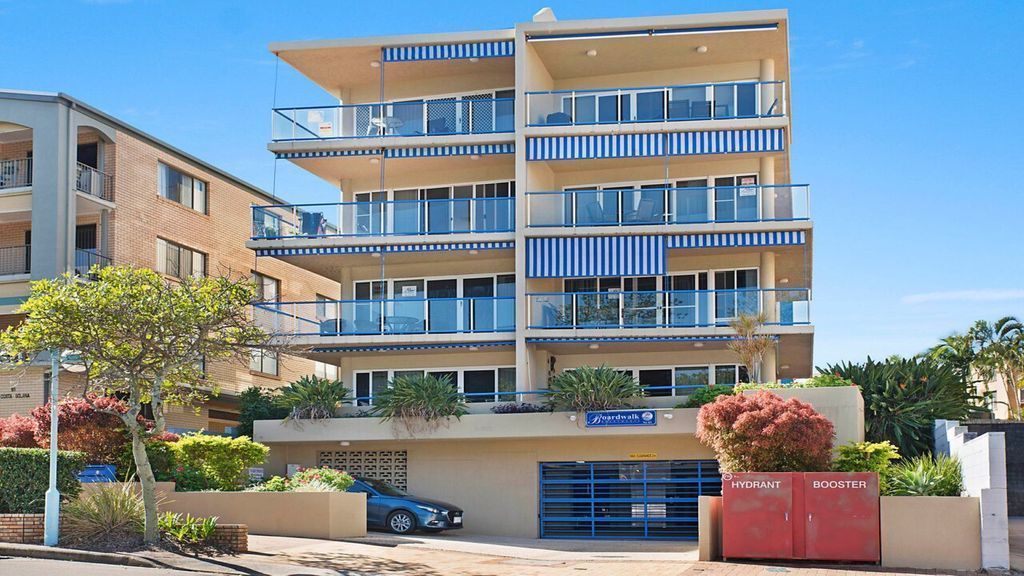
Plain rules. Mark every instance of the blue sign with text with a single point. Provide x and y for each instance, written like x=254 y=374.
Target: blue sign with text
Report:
x=622 y=418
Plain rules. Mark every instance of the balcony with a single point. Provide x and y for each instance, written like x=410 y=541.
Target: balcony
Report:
x=721 y=101
x=440 y=117
x=656 y=205
x=93 y=182
x=667 y=308
x=15 y=260
x=15 y=173
x=399 y=316
x=87 y=258
x=384 y=218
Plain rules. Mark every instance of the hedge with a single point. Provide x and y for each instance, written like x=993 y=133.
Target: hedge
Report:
x=24 y=478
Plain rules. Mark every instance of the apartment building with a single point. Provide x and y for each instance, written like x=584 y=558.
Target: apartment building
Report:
x=79 y=188
x=517 y=203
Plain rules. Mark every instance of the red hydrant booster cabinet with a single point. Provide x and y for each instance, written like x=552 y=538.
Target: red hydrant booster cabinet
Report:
x=801 y=515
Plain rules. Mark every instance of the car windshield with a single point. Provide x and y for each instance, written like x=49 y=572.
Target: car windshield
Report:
x=383 y=487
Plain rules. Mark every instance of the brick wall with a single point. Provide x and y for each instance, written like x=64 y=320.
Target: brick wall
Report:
x=231 y=537
x=21 y=528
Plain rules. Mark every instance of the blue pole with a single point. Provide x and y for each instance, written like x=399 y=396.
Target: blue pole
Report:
x=52 y=511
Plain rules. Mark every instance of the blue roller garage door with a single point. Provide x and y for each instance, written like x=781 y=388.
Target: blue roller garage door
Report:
x=629 y=499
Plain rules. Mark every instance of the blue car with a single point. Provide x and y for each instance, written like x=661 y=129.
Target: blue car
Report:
x=392 y=509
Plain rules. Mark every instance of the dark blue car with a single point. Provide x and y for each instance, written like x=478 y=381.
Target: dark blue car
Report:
x=402 y=513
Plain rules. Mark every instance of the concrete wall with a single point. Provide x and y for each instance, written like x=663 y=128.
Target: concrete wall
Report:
x=931 y=532
x=1013 y=432
x=709 y=527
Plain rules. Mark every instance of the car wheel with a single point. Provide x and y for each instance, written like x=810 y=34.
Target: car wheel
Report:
x=401 y=522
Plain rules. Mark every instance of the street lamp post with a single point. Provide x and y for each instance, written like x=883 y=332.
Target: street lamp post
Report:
x=52 y=512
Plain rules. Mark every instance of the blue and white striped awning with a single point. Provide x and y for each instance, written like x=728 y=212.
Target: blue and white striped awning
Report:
x=328 y=153
x=322 y=250
x=643 y=145
x=401 y=347
x=595 y=256
x=431 y=151
x=732 y=239
x=497 y=49
x=627 y=339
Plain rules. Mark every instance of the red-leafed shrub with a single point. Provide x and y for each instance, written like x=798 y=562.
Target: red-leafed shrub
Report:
x=764 y=433
x=82 y=428
x=18 y=431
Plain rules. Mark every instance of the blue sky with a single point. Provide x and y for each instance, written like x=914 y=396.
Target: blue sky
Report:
x=904 y=125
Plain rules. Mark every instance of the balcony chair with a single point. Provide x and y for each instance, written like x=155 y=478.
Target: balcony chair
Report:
x=438 y=126
x=558 y=118
x=313 y=223
x=700 y=109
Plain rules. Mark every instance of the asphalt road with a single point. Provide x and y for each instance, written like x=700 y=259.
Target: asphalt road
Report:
x=32 y=567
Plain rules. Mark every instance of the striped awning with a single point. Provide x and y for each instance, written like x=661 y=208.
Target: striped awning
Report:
x=418 y=152
x=322 y=250
x=426 y=346
x=496 y=49
x=643 y=145
x=731 y=239
x=587 y=339
x=595 y=256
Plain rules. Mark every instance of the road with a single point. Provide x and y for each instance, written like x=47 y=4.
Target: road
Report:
x=32 y=567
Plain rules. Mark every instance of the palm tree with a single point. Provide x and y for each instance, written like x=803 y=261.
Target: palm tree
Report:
x=957 y=351
x=751 y=344
x=1000 y=353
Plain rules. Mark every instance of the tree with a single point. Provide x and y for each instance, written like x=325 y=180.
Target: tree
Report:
x=141 y=338
x=751 y=345
x=96 y=433
x=1001 y=353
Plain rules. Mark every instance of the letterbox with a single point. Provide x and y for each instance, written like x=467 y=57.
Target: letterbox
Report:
x=798 y=515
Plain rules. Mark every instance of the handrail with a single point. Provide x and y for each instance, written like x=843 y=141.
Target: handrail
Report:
x=357 y=400
x=15 y=260
x=15 y=173
x=94 y=182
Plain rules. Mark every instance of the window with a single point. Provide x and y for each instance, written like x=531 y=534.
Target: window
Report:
x=263 y=362
x=178 y=261
x=681 y=380
x=267 y=289
x=182 y=188
x=486 y=384
x=328 y=371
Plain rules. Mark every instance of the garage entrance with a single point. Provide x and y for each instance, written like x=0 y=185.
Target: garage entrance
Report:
x=629 y=499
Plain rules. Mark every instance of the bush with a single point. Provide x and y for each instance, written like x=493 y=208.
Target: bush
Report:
x=764 y=433
x=904 y=397
x=518 y=408
x=819 y=381
x=192 y=479
x=274 y=484
x=82 y=428
x=707 y=394
x=867 y=457
x=187 y=529
x=161 y=458
x=257 y=403
x=111 y=511
x=423 y=398
x=24 y=478
x=18 y=431
x=925 y=476
x=336 y=480
x=587 y=388
x=222 y=461
x=312 y=398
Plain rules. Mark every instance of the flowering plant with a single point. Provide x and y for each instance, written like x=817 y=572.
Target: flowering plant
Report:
x=336 y=479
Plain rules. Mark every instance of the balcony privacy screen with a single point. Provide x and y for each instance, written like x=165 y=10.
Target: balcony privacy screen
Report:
x=646 y=145
x=595 y=256
x=418 y=152
x=499 y=49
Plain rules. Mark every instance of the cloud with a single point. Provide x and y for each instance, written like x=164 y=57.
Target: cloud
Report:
x=985 y=295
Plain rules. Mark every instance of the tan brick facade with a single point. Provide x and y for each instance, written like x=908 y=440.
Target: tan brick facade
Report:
x=231 y=537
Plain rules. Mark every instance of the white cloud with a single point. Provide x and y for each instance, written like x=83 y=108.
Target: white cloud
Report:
x=986 y=295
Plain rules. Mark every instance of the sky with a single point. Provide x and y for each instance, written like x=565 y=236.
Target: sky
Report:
x=903 y=124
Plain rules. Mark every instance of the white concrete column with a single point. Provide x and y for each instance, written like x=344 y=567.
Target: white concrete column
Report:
x=766 y=281
x=766 y=178
x=769 y=91
x=104 y=233
x=769 y=366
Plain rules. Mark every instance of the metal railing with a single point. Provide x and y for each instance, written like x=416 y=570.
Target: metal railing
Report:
x=388 y=316
x=666 y=205
x=15 y=260
x=437 y=117
x=94 y=182
x=15 y=173
x=666 y=308
x=388 y=218
x=726 y=100
x=87 y=258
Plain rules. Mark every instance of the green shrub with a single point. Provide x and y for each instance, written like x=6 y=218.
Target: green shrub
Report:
x=24 y=478
x=187 y=529
x=819 y=381
x=256 y=403
x=274 y=484
x=867 y=457
x=222 y=460
x=311 y=398
x=419 y=398
x=192 y=479
x=702 y=396
x=925 y=476
x=587 y=388
x=337 y=480
x=108 y=511
x=161 y=460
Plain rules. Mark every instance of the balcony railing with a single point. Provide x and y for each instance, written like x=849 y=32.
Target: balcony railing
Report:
x=730 y=100
x=667 y=309
x=392 y=316
x=86 y=258
x=538 y=396
x=15 y=173
x=658 y=205
x=15 y=260
x=390 y=218
x=414 y=118
x=94 y=182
